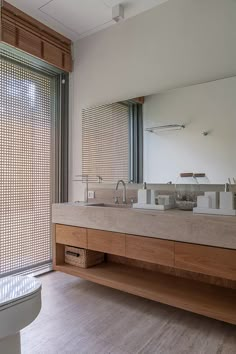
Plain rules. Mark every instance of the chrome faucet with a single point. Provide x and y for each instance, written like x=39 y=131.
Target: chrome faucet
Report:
x=124 y=190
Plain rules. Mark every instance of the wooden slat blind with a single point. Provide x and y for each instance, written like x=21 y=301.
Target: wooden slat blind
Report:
x=106 y=142
x=24 y=32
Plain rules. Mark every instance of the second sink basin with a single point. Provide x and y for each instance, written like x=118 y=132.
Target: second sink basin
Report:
x=110 y=205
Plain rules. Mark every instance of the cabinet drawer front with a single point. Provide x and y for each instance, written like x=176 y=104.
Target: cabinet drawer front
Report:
x=71 y=236
x=219 y=262
x=150 y=250
x=106 y=241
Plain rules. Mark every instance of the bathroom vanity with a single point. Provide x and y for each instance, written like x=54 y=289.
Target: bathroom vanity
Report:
x=173 y=257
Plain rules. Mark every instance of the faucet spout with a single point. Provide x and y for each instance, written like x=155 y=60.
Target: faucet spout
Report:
x=124 y=190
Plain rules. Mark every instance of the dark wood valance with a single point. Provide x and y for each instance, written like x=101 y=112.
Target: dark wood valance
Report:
x=24 y=32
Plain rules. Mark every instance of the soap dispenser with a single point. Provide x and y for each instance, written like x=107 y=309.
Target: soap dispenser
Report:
x=227 y=199
x=144 y=195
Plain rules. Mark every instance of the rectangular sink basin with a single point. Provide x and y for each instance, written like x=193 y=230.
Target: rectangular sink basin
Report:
x=110 y=205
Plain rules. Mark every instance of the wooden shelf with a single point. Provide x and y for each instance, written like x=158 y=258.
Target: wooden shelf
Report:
x=208 y=300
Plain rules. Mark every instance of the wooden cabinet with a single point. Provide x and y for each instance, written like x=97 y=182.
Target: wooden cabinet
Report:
x=106 y=241
x=150 y=250
x=213 y=261
x=189 y=294
x=71 y=236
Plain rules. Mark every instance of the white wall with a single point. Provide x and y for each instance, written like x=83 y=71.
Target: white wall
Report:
x=206 y=107
x=178 y=43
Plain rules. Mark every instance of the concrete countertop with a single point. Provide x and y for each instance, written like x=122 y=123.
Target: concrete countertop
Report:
x=177 y=225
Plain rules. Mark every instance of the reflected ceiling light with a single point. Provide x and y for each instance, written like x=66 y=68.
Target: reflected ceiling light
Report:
x=167 y=127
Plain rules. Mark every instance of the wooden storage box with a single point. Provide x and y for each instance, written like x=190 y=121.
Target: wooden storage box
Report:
x=82 y=258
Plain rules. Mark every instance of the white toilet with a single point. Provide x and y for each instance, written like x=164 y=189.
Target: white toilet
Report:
x=20 y=304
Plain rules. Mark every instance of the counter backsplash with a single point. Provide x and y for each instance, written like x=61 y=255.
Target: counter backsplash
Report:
x=106 y=193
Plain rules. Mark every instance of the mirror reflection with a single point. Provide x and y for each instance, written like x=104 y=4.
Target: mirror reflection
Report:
x=184 y=130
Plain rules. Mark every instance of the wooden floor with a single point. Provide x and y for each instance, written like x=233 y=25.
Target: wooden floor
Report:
x=79 y=317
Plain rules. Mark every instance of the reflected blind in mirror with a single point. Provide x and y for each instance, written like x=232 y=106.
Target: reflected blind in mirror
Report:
x=27 y=124
x=105 y=131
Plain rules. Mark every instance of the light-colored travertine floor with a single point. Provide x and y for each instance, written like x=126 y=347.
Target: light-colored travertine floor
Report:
x=80 y=317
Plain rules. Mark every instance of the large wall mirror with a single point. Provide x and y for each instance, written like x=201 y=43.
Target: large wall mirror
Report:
x=190 y=129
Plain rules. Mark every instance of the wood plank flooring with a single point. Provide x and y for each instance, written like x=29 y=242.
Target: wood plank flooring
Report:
x=80 y=317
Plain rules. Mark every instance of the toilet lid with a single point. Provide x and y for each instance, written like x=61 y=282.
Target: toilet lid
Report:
x=15 y=288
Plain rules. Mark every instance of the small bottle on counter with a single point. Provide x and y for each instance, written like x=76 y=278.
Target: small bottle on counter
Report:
x=144 y=195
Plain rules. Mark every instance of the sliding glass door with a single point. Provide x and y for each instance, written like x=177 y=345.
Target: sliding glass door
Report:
x=28 y=101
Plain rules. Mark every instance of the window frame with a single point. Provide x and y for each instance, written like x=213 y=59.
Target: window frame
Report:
x=136 y=142
x=61 y=109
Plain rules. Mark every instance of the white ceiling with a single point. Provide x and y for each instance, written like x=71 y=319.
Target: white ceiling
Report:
x=79 y=18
